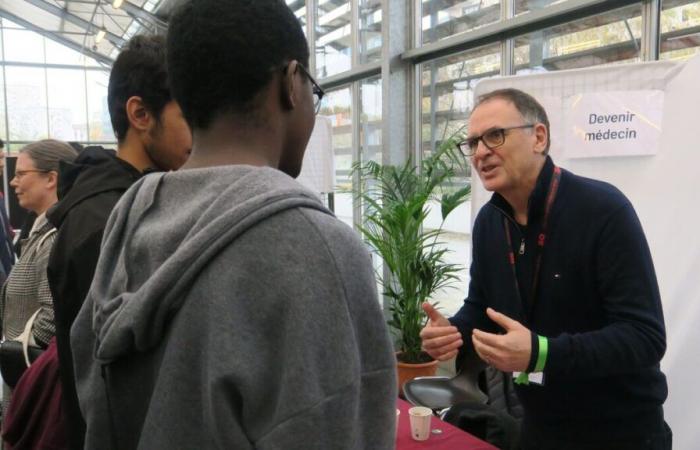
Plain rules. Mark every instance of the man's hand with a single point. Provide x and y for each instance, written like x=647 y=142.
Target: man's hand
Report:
x=508 y=352
x=440 y=339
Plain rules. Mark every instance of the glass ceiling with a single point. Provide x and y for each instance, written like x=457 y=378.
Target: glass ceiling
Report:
x=93 y=27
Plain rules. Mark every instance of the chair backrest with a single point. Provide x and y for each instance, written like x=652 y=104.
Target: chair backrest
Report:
x=468 y=375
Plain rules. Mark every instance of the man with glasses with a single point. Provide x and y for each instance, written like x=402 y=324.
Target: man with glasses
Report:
x=562 y=293
x=230 y=309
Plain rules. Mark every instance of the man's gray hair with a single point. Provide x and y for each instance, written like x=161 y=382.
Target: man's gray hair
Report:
x=529 y=108
x=48 y=153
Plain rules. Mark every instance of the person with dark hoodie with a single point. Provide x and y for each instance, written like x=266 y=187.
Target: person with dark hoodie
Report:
x=152 y=135
x=230 y=309
x=7 y=256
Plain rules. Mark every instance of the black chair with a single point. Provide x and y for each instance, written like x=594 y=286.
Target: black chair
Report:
x=440 y=393
x=479 y=399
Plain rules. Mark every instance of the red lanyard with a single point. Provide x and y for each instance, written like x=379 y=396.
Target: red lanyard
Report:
x=551 y=195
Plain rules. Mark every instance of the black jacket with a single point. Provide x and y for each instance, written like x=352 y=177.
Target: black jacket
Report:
x=598 y=303
x=88 y=190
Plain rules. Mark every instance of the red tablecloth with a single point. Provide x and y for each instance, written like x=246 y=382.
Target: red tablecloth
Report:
x=452 y=438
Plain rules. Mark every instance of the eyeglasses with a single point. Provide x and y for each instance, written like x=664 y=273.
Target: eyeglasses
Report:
x=20 y=173
x=493 y=138
x=317 y=90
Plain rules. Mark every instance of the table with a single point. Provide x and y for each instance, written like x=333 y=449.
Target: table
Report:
x=452 y=438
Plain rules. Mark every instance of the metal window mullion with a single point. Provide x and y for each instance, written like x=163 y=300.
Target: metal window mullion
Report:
x=354 y=33
x=355 y=105
x=415 y=80
x=416 y=77
x=417 y=14
x=311 y=33
x=507 y=45
x=52 y=66
x=651 y=30
x=525 y=23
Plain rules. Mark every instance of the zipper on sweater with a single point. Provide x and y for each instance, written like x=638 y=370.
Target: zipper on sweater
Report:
x=521 y=250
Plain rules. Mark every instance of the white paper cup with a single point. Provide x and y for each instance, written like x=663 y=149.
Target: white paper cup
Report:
x=420 y=422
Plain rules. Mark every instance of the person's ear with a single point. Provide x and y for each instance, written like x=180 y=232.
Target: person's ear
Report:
x=139 y=117
x=288 y=87
x=52 y=180
x=541 y=139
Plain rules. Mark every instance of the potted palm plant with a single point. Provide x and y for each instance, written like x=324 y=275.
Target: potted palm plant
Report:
x=397 y=201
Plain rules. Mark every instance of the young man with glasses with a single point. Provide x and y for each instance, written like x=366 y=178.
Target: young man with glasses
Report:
x=230 y=309
x=562 y=293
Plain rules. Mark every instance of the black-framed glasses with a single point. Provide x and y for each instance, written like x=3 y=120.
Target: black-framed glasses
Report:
x=316 y=88
x=493 y=138
x=20 y=173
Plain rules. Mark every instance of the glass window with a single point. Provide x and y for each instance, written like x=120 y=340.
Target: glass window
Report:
x=338 y=106
x=333 y=37
x=299 y=9
x=370 y=30
x=23 y=46
x=444 y=18
x=680 y=29
x=60 y=54
x=99 y=124
x=371 y=137
x=447 y=97
x=371 y=119
x=67 y=108
x=26 y=103
x=525 y=6
x=447 y=91
x=613 y=37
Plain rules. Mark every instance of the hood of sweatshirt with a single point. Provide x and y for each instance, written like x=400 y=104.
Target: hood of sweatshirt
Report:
x=94 y=171
x=163 y=232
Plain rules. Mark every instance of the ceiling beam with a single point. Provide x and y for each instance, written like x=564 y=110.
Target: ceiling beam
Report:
x=142 y=14
x=76 y=20
x=57 y=38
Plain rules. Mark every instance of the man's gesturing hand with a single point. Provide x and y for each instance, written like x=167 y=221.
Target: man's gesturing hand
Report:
x=508 y=352
x=440 y=339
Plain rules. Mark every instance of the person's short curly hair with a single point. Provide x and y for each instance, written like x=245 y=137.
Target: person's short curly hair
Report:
x=140 y=70
x=221 y=54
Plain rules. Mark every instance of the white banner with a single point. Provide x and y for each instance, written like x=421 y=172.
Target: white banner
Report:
x=614 y=123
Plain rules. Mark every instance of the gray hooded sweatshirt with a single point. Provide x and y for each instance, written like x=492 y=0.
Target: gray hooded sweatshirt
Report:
x=231 y=310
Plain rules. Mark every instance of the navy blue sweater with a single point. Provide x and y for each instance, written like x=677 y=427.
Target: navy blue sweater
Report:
x=598 y=304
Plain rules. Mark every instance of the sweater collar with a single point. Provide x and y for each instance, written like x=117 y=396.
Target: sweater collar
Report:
x=538 y=196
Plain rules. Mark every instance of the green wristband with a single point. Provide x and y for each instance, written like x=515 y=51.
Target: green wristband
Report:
x=542 y=354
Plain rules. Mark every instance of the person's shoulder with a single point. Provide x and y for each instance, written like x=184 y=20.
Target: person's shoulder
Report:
x=593 y=194
x=327 y=225
x=320 y=231
x=93 y=211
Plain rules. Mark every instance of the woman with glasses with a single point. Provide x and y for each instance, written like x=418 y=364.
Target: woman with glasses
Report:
x=26 y=290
